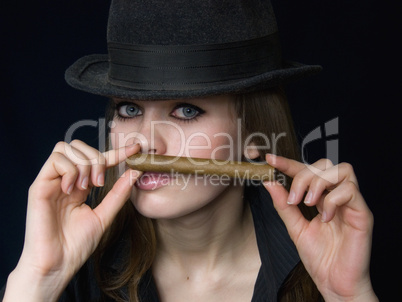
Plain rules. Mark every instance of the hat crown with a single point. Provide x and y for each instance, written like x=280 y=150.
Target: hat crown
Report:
x=166 y=49
x=189 y=22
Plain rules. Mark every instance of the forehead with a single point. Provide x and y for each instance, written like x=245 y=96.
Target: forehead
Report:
x=218 y=102
x=207 y=99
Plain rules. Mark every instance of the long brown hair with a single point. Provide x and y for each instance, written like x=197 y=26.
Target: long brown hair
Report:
x=266 y=112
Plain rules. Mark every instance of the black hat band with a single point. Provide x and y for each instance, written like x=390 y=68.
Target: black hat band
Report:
x=182 y=67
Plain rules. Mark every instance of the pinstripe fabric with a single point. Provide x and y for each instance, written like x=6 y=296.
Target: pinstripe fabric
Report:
x=277 y=252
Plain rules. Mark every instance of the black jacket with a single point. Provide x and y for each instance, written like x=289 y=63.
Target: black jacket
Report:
x=277 y=252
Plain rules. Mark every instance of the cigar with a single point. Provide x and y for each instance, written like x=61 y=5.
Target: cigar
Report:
x=204 y=166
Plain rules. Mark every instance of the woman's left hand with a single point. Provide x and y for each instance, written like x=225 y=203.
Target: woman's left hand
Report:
x=334 y=246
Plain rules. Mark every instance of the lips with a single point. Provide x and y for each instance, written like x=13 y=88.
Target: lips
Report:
x=150 y=181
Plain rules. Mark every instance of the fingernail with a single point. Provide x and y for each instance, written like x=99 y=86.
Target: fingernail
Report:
x=292 y=197
x=70 y=189
x=308 y=198
x=271 y=158
x=101 y=180
x=324 y=216
x=84 y=183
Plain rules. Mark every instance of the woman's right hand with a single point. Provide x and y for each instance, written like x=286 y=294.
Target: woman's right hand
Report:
x=61 y=230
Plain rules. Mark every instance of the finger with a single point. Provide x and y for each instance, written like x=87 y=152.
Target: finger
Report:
x=90 y=158
x=347 y=199
x=291 y=167
x=287 y=166
x=319 y=204
x=303 y=179
x=290 y=214
x=115 y=199
x=95 y=162
x=116 y=156
x=76 y=154
x=55 y=167
x=329 y=179
x=72 y=153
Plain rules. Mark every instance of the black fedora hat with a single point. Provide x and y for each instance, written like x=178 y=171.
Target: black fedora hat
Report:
x=159 y=49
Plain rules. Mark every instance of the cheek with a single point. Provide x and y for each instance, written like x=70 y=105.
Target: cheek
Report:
x=214 y=144
x=225 y=147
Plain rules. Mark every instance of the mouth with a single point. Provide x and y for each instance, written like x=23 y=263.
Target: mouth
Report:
x=150 y=181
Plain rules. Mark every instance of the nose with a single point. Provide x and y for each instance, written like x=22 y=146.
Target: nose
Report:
x=150 y=138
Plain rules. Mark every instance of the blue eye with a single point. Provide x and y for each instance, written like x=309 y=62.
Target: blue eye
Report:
x=128 y=110
x=187 y=112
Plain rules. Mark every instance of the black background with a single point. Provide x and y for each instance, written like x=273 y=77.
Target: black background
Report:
x=357 y=43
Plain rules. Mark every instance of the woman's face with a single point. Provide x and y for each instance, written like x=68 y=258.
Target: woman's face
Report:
x=203 y=128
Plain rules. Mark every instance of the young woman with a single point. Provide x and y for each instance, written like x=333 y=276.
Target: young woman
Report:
x=199 y=81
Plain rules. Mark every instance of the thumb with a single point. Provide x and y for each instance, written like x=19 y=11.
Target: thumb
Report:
x=290 y=214
x=116 y=198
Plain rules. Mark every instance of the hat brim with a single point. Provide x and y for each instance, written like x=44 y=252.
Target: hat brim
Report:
x=90 y=74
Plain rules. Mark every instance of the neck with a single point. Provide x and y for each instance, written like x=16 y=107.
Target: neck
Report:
x=206 y=237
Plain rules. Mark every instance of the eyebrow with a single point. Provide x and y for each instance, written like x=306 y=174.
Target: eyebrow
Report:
x=120 y=100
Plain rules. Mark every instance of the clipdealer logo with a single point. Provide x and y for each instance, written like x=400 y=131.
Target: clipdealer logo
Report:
x=327 y=133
